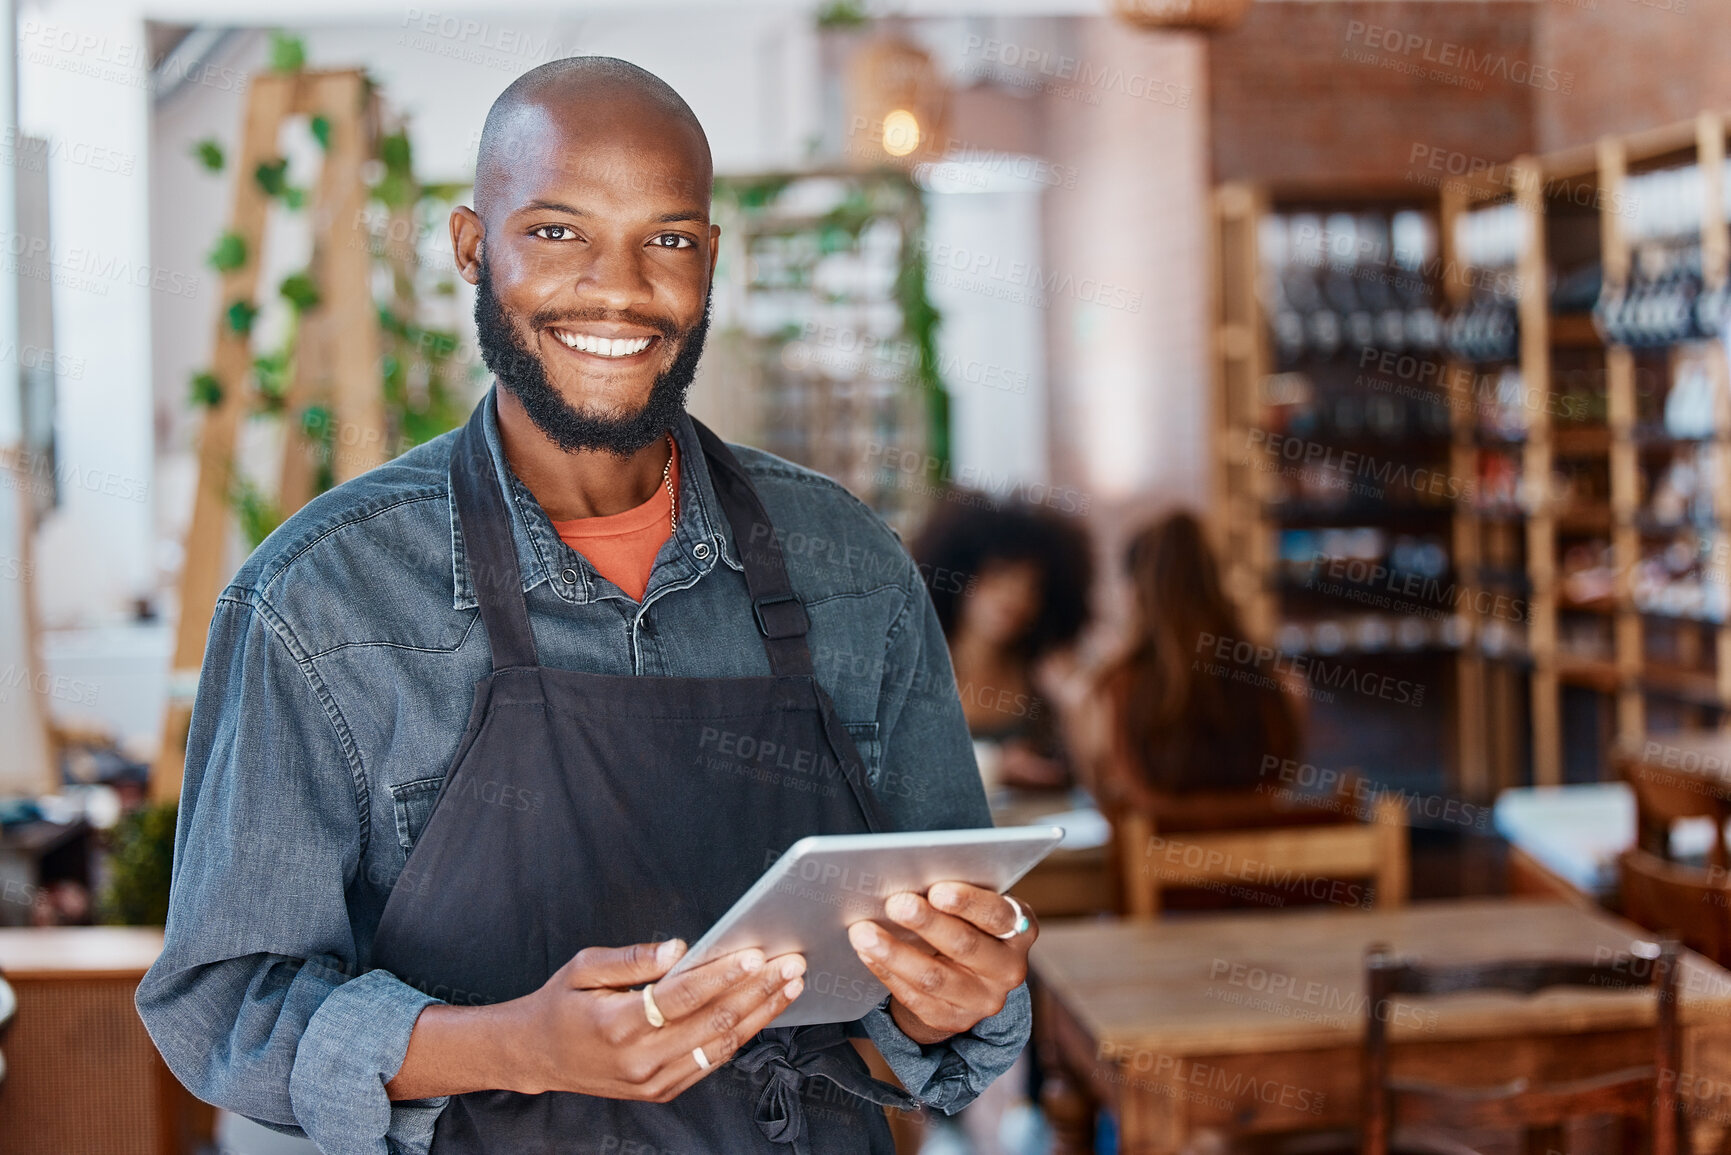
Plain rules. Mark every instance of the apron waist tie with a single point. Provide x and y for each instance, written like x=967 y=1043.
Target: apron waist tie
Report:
x=788 y=1057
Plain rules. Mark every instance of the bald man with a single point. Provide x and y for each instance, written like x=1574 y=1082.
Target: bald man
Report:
x=486 y=736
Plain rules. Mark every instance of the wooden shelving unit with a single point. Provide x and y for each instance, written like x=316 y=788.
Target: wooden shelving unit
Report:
x=1333 y=538
x=818 y=346
x=1605 y=512
x=1663 y=669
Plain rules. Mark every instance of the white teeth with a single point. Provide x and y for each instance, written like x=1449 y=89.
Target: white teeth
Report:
x=603 y=346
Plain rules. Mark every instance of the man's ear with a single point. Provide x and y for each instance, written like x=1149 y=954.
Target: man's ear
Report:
x=466 y=234
x=714 y=249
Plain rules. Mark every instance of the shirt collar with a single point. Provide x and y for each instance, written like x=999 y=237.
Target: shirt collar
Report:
x=701 y=537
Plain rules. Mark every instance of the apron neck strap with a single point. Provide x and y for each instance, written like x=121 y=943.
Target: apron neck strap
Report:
x=780 y=615
x=491 y=555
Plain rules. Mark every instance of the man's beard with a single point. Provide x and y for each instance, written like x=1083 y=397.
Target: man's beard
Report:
x=520 y=369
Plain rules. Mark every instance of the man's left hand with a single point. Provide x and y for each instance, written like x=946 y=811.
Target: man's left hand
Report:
x=966 y=972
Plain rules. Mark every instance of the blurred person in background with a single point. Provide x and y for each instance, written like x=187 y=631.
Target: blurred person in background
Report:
x=1010 y=584
x=1165 y=723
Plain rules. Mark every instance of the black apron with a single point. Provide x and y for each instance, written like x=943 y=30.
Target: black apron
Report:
x=603 y=810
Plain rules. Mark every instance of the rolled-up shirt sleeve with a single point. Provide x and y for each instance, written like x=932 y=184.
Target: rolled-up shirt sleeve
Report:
x=928 y=781
x=256 y=1002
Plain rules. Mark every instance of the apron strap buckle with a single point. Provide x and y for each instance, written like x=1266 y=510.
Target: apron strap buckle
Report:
x=780 y=616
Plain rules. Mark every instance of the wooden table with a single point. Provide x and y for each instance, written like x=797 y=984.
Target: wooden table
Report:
x=1069 y=882
x=1252 y=1023
x=82 y=1075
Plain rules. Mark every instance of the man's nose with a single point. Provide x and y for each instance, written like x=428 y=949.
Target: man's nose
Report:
x=615 y=279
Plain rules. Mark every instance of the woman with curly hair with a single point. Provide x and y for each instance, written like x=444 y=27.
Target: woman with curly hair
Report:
x=1010 y=585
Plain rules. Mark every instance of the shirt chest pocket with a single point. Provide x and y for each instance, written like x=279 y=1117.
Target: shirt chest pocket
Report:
x=413 y=802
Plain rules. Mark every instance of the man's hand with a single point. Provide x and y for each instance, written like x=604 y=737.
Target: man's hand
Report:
x=968 y=971
x=586 y=1030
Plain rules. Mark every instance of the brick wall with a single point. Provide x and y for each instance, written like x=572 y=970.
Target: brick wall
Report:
x=1352 y=91
x=1366 y=92
x=1636 y=64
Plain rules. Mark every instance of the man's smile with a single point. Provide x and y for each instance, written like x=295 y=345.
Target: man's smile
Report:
x=611 y=347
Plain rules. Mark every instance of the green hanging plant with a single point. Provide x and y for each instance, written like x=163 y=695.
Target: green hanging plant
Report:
x=287 y=53
x=920 y=319
x=258 y=514
x=318 y=426
x=843 y=14
x=299 y=290
x=229 y=253
x=209 y=154
x=294 y=197
x=140 y=867
x=240 y=317
x=206 y=390
x=397 y=188
x=272 y=176
x=321 y=130
x=270 y=374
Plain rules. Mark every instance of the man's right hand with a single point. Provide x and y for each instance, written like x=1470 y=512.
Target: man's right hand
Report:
x=586 y=1029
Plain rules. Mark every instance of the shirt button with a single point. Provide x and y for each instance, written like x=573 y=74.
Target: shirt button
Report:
x=570 y=577
x=701 y=549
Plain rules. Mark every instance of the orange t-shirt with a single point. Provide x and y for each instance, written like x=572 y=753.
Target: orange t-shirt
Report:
x=622 y=546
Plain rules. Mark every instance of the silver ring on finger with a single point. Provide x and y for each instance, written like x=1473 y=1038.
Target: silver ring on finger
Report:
x=1022 y=922
x=650 y=1010
x=703 y=1062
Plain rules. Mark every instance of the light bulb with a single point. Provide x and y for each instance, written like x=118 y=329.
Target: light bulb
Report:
x=901 y=132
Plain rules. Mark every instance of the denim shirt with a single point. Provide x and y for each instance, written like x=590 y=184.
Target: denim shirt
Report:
x=338 y=677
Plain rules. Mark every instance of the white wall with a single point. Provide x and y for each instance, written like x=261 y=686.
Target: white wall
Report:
x=80 y=87
x=991 y=345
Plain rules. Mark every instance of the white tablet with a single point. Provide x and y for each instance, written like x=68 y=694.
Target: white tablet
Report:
x=824 y=883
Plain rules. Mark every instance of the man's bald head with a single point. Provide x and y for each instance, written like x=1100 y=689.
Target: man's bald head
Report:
x=609 y=96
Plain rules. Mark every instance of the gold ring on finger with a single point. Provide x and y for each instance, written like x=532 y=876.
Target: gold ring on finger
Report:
x=650 y=1010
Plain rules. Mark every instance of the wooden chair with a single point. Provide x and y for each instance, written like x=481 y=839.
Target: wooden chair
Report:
x=1643 y=1092
x=1663 y=798
x=1244 y=839
x=1690 y=903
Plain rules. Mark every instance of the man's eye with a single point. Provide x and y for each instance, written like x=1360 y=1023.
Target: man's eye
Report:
x=554 y=232
x=673 y=241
